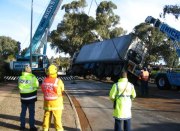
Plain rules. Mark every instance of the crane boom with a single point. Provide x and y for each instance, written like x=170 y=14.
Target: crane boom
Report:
x=39 y=61
x=45 y=23
x=172 y=33
x=166 y=80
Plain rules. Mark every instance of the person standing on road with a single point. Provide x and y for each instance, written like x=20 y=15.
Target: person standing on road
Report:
x=144 y=77
x=53 y=89
x=28 y=85
x=122 y=93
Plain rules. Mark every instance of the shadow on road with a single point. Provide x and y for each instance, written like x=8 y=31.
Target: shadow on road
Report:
x=159 y=126
x=14 y=118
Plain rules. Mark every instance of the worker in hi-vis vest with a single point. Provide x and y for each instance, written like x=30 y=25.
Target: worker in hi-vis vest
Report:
x=144 y=77
x=53 y=89
x=28 y=85
x=122 y=93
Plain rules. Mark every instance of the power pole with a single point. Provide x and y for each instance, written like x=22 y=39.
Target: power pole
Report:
x=31 y=34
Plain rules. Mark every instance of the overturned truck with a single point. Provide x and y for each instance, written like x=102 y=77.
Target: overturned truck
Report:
x=109 y=58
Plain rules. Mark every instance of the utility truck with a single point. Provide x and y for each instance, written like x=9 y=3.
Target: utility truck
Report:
x=39 y=61
x=171 y=78
x=108 y=58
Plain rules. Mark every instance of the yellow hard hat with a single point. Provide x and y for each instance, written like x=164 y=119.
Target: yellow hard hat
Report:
x=52 y=70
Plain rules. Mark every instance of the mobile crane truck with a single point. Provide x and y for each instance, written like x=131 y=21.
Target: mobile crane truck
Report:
x=108 y=58
x=39 y=61
x=170 y=79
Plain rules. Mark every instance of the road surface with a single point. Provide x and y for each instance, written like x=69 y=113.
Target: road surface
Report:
x=158 y=112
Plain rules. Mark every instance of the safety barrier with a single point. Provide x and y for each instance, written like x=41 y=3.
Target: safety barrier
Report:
x=40 y=78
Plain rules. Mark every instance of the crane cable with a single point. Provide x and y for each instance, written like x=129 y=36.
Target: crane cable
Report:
x=90 y=6
x=96 y=3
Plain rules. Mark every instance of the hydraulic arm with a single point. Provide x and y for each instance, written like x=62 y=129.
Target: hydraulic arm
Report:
x=166 y=80
x=172 y=33
x=44 y=24
x=39 y=40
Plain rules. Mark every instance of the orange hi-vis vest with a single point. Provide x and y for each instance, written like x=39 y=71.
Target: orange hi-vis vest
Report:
x=145 y=75
x=49 y=88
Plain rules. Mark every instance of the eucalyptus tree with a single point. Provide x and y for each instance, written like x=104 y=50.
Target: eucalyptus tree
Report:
x=174 y=10
x=8 y=47
x=8 y=50
x=107 y=23
x=73 y=30
x=23 y=52
x=64 y=62
x=158 y=44
x=76 y=28
x=171 y=9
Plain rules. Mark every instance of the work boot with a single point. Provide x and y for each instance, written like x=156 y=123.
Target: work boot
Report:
x=33 y=129
x=22 y=128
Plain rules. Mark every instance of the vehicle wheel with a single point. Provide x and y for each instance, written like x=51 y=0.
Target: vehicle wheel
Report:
x=100 y=71
x=108 y=70
x=117 y=70
x=114 y=78
x=162 y=82
x=76 y=70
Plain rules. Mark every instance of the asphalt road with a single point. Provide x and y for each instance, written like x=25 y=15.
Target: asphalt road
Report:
x=158 y=112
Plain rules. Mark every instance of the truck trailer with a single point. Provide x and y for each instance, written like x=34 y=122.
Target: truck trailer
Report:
x=108 y=58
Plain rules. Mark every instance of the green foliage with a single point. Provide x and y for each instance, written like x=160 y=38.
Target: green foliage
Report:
x=169 y=54
x=153 y=73
x=74 y=6
x=107 y=21
x=158 y=45
x=72 y=32
x=75 y=29
x=23 y=51
x=62 y=62
x=171 y=9
x=8 y=46
x=172 y=60
x=4 y=68
x=8 y=50
x=10 y=58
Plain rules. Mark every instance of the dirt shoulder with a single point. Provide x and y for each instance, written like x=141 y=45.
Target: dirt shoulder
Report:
x=10 y=110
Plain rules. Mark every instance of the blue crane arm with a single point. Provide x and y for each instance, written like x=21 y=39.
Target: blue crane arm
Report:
x=172 y=33
x=45 y=23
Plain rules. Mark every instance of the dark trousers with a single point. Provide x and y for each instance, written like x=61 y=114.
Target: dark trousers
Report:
x=126 y=125
x=144 y=88
x=31 y=108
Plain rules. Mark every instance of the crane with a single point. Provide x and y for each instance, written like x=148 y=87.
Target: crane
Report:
x=39 y=61
x=172 y=33
x=165 y=80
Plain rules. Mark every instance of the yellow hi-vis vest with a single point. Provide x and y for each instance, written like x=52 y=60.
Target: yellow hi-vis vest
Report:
x=27 y=83
x=123 y=101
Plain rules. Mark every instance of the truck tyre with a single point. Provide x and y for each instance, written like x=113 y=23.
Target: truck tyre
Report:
x=76 y=70
x=108 y=70
x=162 y=82
x=114 y=78
x=117 y=70
x=100 y=71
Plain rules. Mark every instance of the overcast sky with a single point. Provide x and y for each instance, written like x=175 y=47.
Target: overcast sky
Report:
x=15 y=15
